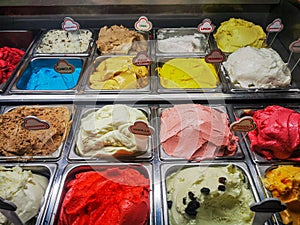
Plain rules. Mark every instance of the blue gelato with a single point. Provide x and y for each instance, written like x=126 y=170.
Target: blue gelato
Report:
x=41 y=75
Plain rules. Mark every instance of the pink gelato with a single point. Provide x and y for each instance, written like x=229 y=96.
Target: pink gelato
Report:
x=193 y=131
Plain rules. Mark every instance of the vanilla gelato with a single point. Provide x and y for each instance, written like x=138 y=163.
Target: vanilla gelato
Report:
x=60 y=41
x=210 y=196
x=106 y=132
x=180 y=44
x=23 y=188
x=250 y=67
x=237 y=33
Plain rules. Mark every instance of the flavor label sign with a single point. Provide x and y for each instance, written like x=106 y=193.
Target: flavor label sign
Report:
x=206 y=27
x=295 y=46
x=245 y=124
x=215 y=56
x=34 y=123
x=275 y=26
x=141 y=128
x=63 y=67
x=142 y=59
x=69 y=24
x=143 y=24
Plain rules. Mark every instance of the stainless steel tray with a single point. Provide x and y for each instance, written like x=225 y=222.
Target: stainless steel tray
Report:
x=83 y=111
x=238 y=112
x=47 y=170
x=72 y=169
x=92 y=68
x=85 y=53
x=56 y=155
x=239 y=155
x=168 y=169
x=165 y=33
x=160 y=89
x=30 y=65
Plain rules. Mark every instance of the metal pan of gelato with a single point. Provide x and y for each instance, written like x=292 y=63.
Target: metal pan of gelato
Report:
x=64 y=43
x=118 y=39
x=214 y=194
x=180 y=41
x=250 y=69
x=237 y=33
x=14 y=46
x=32 y=133
x=196 y=132
x=44 y=75
x=283 y=182
x=29 y=188
x=103 y=134
x=104 y=194
x=277 y=136
x=187 y=74
x=117 y=74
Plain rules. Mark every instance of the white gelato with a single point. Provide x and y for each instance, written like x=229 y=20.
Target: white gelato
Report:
x=185 y=43
x=106 y=132
x=60 y=41
x=24 y=189
x=250 y=67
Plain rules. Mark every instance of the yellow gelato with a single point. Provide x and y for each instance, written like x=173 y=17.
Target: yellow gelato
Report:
x=188 y=73
x=236 y=33
x=119 y=73
x=284 y=183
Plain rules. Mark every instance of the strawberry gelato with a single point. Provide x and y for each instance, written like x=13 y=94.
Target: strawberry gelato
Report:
x=277 y=135
x=114 y=196
x=194 y=131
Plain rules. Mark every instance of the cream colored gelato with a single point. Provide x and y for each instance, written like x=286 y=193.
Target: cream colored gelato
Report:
x=60 y=41
x=209 y=196
x=106 y=132
x=250 y=67
x=185 y=43
x=237 y=33
x=23 y=188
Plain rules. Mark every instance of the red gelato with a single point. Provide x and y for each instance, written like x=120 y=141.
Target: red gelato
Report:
x=114 y=196
x=277 y=135
x=194 y=131
x=9 y=59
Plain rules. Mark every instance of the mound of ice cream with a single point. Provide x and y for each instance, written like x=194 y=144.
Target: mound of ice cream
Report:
x=277 y=135
x=41 y=74
x=9 y=59
x=284 y=183
x=210 y=196
x=23 y=188
x=106 y=132
x=18 y=141
x=237 y=33
x=194 y=131
x=188 y=73
x=49 y=79
x=119 y=73
x=61 y=41
x=120 y=40
x=250 y=67
x=180 y=44
x=114 y=196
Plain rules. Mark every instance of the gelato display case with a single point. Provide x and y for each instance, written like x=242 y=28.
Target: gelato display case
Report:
x=151 y=113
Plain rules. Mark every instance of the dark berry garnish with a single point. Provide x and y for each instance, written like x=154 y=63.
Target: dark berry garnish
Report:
x=184 y=200
x=192 y=207
x=221 y=188
x=169 y=203
x=222 y=180
x=205 y=190
x=191 y=195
